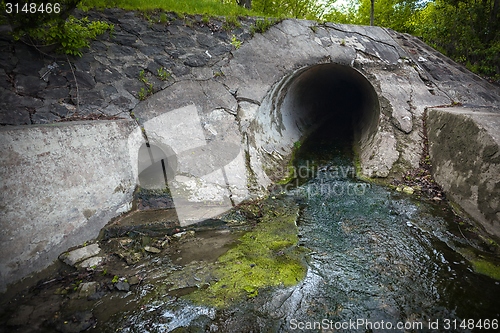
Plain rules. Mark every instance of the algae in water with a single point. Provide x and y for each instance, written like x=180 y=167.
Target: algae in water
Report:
x=266 y=256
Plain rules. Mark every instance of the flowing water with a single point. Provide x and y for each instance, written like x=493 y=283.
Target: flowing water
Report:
x=378 y=261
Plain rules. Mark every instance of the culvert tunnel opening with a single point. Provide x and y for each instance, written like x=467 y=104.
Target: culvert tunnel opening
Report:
x=335 y=102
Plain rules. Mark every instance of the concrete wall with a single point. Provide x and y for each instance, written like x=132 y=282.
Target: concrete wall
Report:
x=464 y=146
x=59 y=185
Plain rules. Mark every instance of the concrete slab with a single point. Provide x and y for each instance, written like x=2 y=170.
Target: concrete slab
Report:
x=59 y=185
x=464 y=148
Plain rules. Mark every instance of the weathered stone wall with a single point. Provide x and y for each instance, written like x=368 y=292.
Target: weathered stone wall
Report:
x=465 y=153
x=59 y=185
x=220 y=117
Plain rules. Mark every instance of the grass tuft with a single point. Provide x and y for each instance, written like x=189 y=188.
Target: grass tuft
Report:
x=202 y=7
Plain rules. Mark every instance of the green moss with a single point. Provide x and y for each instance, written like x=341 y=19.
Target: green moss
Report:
x=267 y=256
x=480 y=264
x=357 y=165
x=486 y=268
x=291 y=174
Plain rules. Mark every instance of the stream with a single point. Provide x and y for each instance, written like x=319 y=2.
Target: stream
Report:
x=378 y=260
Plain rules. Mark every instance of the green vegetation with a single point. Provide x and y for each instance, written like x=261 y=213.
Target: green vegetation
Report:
x=467 y=31
x=267 y=256
x=486 y=268
x=163 y=74
x=208 y=7
x=481 y=264
x=231 y=23
x=145 y=92
x=262 y=25
x=46 y=24
x=148 y=88
x=291 y=173
x=235 y=42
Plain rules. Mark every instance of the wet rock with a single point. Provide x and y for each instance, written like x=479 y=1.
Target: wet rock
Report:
x=78 y=322
x=91 y=262
x=408 y=190
x=219 y=50
x=86 y=289
x=164 y=62
x=54 y=93
x=107 y=75
x=122 y=285
x=29 y=85
x=125 y=241
x=183 y=235
x=84 y=80
x=43 y=117
x=130 y=257
x=73 y=257
x=91 y=97
x=197 y=60
x=133 y=280
x=206 y=41
x=4 y=79
x=121 y=50
x=175 y=53
x=57 y=81
x=21 y=316
x=15 y=116
x=58 y=109
x=124 y=38
x=183 y=42
x=152 y=249
x=133 y=71
x=154 y=38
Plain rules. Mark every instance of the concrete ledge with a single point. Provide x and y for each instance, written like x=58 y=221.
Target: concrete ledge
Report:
x=464 y=146
x=59 y=185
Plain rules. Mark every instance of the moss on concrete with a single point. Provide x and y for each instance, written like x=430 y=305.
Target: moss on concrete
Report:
x=266 y=256
x=291 y=174
x=480 y=264
x=486 y=268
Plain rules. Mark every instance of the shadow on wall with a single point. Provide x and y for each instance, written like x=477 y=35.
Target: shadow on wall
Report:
x=198 y=173
x=156 y=166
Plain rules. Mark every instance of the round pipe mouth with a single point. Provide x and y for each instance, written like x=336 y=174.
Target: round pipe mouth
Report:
x=335 y=96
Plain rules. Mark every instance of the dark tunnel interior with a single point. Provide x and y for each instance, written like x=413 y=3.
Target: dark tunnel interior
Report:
x=334 y=99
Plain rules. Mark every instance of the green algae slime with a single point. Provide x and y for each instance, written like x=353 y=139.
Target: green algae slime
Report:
x=266 y=256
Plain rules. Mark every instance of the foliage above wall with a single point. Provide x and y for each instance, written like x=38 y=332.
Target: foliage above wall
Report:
x=466 y=30
x=45 y=24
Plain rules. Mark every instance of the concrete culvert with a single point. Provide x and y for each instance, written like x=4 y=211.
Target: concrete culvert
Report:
x=336 y=96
